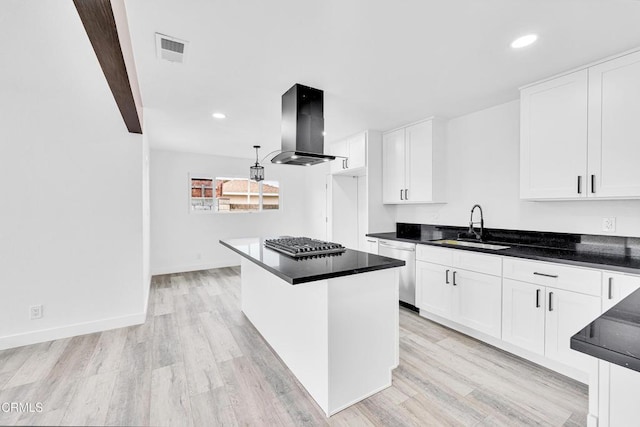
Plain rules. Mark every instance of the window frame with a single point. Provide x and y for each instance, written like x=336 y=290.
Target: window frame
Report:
x=214 y=178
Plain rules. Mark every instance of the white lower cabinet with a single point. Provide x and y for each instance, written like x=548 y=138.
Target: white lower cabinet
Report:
x=545 y=304
x=618 y=396
x=567 y=313
x=371 y=245
x=523 y=315
x=466 y=297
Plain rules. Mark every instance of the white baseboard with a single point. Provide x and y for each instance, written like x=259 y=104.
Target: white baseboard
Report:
x=192 y=267
x=43 y=335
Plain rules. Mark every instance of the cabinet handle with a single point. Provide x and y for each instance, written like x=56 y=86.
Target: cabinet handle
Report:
x=555 y=276
x=610 y=287
x=401 y=198
x=446 y=277
x=593 y=183
x=579 y=184
x=550 y=301
x=537 y=298
x=346 y=163
x=454 y=278
x=406 y=194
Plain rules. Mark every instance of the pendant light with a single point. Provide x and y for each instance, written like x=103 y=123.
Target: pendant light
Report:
x=256 y=172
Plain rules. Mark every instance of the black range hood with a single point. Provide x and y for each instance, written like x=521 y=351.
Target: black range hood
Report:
x=302 y=127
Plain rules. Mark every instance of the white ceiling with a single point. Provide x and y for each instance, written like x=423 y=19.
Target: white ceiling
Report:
x=381 y=63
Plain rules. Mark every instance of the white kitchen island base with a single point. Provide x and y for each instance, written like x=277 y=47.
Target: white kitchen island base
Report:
x=338 y=336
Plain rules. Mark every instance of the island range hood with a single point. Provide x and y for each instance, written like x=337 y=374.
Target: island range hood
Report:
x=302 y=127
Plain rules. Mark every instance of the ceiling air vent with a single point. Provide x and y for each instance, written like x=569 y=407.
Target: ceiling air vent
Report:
x=170 y=48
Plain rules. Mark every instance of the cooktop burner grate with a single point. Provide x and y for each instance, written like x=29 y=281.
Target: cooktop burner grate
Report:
x=303 y=246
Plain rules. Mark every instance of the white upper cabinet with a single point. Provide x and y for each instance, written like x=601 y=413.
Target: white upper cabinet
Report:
x=393 y=167
x=579 y=134
x=614 y=128
x=413 y=164
x=553 y=138
x=353 y=155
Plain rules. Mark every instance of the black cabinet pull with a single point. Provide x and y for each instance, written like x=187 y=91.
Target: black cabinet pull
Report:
x=401 y=195
x=593 y=183
x=454 y=278
x=550 y=301
x=446 y=277
x=579 y=184
x=554 y=276
x=610 y=287
x=346 y=163
x=406 y=194
x=537 y=298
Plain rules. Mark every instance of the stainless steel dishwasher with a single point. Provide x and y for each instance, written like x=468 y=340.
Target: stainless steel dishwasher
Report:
x=407 y=252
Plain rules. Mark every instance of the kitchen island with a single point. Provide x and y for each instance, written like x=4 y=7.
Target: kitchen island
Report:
x=333 y=320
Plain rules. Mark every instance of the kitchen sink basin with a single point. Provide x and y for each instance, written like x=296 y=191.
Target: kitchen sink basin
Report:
x=478 y=245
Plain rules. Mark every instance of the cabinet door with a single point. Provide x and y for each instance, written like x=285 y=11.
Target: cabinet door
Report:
x=419 y=162
x=371 y=245
x=523 y=309
x=567 y=313
x=553 y=138
x=340 y=148
x=357 y=151
x=433 y=293
x=393 y=154
x=623 y=407
x=477 y=301
x=615 y=287
x=614 y=128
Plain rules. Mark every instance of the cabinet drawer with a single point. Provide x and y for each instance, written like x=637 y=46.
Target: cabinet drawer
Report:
x=435 y=255
x=481 y=263
x=554 y=275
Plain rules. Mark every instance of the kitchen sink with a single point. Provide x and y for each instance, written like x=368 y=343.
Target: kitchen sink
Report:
x=478 y=245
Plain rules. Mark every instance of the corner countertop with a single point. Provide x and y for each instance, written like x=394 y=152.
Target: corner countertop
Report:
x=296 y=271
x=590 y=259
x=615 y=335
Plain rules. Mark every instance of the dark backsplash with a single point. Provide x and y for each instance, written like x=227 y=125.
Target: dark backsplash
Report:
x=589 y=243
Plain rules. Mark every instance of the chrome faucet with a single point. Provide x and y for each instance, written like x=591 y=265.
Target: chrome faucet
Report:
x=472 y=231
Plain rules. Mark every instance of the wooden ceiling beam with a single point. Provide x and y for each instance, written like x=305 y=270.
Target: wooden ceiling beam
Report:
x=97 y=17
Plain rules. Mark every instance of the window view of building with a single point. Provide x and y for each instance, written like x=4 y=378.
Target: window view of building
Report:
x=234 y=195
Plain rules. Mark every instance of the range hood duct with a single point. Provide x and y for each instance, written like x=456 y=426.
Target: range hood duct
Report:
x=302 y=127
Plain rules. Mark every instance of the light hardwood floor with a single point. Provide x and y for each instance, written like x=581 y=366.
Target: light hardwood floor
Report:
x=197 y=361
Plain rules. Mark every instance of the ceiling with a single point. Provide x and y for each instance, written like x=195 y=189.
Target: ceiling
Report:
x=381 y=63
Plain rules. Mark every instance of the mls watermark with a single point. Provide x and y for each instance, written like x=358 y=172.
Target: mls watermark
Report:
x=8 y=407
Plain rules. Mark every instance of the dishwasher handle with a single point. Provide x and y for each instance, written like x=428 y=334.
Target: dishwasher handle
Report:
x=396 y=247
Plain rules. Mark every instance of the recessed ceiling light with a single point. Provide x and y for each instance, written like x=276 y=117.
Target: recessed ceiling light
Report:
x=524 y=41
x=219 y=116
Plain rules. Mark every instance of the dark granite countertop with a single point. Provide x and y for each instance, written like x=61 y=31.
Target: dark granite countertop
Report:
x=615 y=335
x=296 y=271
x=604 y=252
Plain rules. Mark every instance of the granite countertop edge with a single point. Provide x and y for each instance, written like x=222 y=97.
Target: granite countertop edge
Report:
x=513 y=252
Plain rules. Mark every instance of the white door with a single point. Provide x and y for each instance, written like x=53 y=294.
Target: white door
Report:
x=340 y=148
x=567 y=313
x=477 y=301
x=614 y=128
x=357 y=151
x=393 y=167
x=433 y=293
x=553 y=138
x=622 y=397
x=419 y=161
x=523 y=313
x=616 y=287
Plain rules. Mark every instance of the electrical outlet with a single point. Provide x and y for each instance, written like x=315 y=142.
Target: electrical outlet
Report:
x=35 y=312
x=609 y=224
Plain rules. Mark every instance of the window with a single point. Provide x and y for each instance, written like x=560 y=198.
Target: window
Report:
x=224 y=194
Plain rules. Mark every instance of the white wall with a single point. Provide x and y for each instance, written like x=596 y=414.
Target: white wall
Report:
x=483 y=167
x=184 y=241
x=70 y=185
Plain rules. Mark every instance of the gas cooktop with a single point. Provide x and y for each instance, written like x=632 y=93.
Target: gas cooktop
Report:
x=299 y=247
